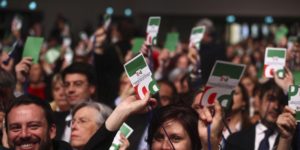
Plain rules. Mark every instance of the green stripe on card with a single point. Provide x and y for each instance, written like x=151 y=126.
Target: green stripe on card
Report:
x=233 y=71
x=135 y=65
x=197 y=30
x=154 y=21
x=276 y=53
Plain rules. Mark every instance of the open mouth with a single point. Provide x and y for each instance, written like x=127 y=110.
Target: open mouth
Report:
x=26 y=146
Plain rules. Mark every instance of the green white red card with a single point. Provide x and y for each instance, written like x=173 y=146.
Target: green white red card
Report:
x=274 y=62
x=196 y=36
x=294 y=99
x=223 y=78
x=126 y=131
x=152 y=30
x=140 y=76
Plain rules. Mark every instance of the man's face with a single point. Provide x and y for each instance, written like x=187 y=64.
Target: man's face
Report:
x=77 y=88
x=28 y=128
x=269 y=107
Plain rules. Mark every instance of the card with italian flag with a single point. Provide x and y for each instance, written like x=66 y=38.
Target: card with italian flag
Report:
x=126 y=131
x=294 y=100
x=152 y=30
x=196 y=36
x=274 y=61
x=140 y=76
x=223 y=78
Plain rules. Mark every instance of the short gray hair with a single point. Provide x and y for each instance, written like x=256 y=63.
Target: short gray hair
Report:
x=103 y=110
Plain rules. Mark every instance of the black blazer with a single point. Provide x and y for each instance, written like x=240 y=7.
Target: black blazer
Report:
x=243 y=140
x=101 y=140
x=60 y=122
x=139 y=123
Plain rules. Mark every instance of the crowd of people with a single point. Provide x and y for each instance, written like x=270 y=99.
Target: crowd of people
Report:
x=80 y=99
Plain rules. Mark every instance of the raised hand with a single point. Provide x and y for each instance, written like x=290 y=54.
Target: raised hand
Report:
x=286 y=124
x=215 y=121
x=286 y=81
x=22 y=69
x=124 y=142
x=129 y=106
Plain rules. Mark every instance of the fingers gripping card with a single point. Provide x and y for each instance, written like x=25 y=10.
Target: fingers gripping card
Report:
x=126 y=131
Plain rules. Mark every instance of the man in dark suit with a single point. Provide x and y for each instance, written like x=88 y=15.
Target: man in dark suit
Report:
x=264 y=134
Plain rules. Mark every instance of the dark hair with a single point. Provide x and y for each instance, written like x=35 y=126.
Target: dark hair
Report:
x=27 y=100
x=245 y=112
x=81 y=68
x=174 y=96
x=277 y=92
x=186 y=116
x=7 y=85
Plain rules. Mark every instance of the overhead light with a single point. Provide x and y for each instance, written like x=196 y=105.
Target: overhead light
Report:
x=269 y=20
x=109 y=10
x=3 y=3
x=128 y=12
x=230 y=19
x=32 y=5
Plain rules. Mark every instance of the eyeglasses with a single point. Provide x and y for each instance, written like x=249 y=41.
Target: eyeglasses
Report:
x=80 y=121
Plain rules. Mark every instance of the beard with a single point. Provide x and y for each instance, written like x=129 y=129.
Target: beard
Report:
x=35 y=140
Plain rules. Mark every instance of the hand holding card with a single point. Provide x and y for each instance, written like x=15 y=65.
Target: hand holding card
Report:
x=126 y=131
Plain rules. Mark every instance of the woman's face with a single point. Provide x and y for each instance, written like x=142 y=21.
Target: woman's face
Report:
x=249 y=85
x=238 y=102
x=182 y=62
x=59 y=94
x=84 y=126
x=177 y=134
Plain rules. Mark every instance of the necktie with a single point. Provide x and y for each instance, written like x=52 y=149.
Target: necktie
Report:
x=264 y=144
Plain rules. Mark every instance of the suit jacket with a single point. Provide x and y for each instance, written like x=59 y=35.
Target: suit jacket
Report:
x=60 y=122
x=139 y=123
x=243 y=140
x=101 y=140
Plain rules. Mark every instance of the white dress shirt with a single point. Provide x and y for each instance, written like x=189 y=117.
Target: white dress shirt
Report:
x=260 y=134
x=67 y=132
